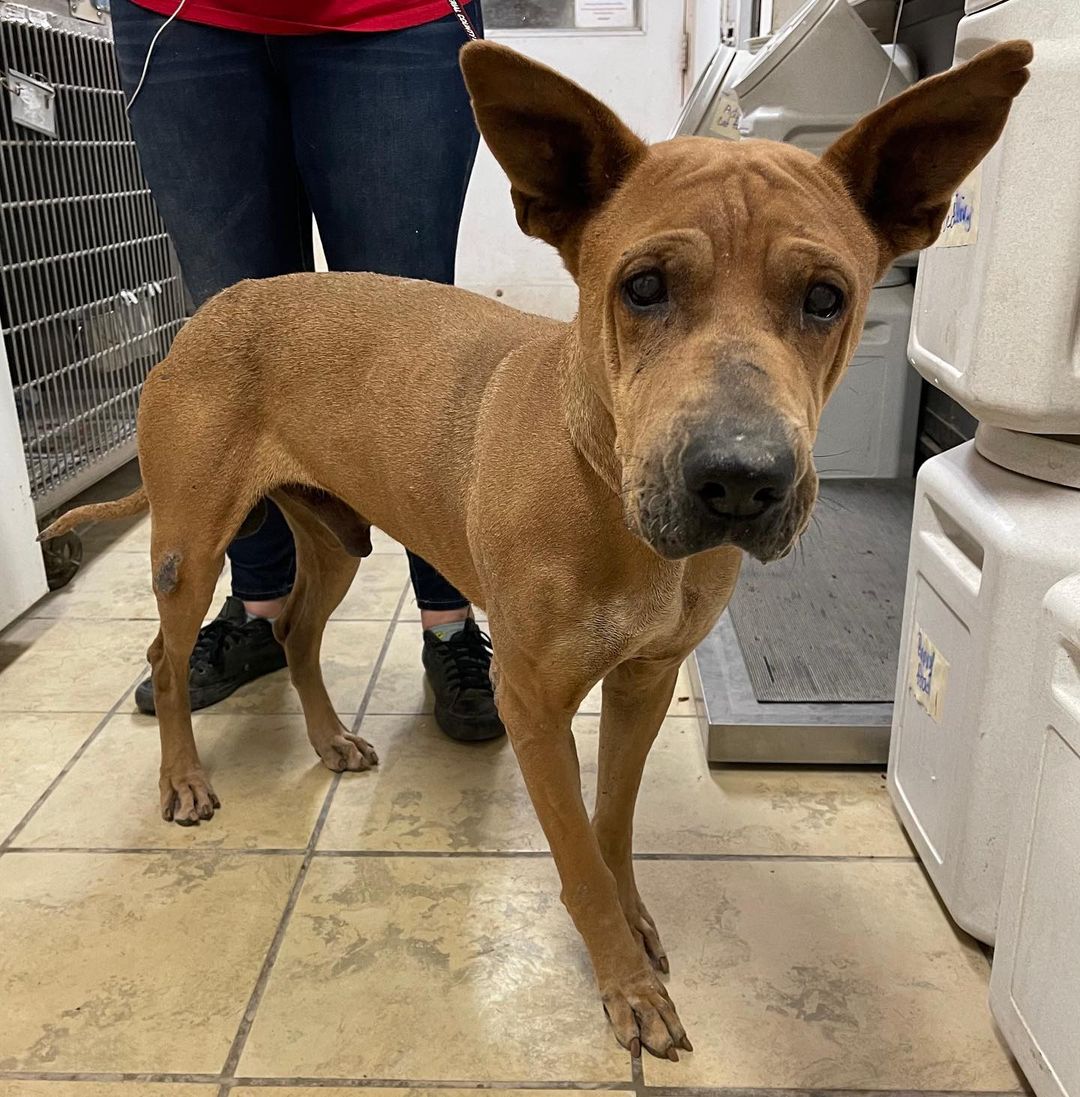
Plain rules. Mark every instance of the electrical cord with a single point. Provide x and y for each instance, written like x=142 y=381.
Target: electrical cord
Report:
x=892 y=55
x=150 y=53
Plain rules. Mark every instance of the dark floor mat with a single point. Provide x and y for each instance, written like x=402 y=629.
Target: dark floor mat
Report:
x=824 y=624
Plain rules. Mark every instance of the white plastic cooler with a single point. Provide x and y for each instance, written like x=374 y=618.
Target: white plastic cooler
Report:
x=997 y=313
x=986 y=546
x=1035 y=983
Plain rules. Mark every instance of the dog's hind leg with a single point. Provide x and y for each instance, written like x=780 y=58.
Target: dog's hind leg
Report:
x=636 y=696
x=185 y=574
x=324 y=571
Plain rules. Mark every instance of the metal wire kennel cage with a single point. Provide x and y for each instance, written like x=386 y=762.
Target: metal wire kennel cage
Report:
x=90 y=291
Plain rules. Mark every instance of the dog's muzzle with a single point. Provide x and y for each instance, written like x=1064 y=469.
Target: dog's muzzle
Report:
x=732 y=486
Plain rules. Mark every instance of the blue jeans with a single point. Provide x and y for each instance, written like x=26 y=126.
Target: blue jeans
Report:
x=242 y=137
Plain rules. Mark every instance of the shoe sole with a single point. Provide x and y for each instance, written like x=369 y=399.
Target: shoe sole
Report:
x=146 y=704
x=466 y=731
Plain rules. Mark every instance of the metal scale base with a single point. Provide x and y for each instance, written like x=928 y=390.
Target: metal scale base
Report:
x=802 y=666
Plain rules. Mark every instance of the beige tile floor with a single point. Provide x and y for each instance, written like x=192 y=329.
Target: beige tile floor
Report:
x=400 y=931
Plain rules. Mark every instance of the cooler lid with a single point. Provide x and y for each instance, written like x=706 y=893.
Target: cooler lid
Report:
x=1052 y=458
x=784 y=41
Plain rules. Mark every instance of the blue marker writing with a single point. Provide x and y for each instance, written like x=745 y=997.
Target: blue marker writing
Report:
x=961 y=212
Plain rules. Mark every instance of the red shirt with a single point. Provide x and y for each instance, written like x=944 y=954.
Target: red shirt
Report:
x=312 y=17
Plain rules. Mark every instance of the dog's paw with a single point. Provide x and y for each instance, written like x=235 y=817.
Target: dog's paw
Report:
x=187 y=798
x=645 y=932
x=643 y=1016
x=345 y=751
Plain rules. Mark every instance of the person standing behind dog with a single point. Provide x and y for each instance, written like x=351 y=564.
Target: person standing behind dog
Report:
x=249 y=117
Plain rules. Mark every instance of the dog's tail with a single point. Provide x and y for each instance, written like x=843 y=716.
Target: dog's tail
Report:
x=97 y=512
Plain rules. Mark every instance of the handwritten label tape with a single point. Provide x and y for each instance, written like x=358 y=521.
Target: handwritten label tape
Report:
x=723 y=120
x=961 y=226
x=929 y=674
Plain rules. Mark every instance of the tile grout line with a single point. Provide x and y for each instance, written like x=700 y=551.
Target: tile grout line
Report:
x=159 y=851
x=813 y=1091
x=239 y=1042
x=797 y=858
x=505 y=854
x=154 y=620
x=114 y=549
x=468 y=854
x=637 y=1075
x=556 y=1086
x=376 y=669
x=82 y=749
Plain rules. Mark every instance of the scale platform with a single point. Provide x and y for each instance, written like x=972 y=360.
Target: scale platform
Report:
x=801 y=668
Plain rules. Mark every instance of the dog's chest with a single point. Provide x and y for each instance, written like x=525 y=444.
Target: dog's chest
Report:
x=681 y=612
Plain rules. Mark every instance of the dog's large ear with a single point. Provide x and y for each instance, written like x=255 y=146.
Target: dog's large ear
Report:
x=903 y=161
x=563 y=150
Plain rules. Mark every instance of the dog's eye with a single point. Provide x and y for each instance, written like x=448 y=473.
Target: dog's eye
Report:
x=646 y=289
x=824 y=301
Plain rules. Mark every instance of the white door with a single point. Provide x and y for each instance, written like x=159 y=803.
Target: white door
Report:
x=629 y=53
x=22 y=573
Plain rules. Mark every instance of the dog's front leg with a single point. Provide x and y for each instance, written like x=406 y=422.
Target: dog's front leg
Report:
x=636 y=1002
x=636 y=696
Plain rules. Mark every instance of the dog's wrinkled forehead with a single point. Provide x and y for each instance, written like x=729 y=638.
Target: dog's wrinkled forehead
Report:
x=745 y=195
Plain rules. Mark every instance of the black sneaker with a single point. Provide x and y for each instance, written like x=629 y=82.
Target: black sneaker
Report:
x=459 y=670
x=230 y=651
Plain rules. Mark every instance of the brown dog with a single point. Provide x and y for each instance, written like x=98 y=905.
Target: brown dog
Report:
x=595 y=483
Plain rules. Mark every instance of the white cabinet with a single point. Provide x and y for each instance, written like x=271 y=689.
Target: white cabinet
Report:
x=1035 y=983
x=986 y=546
x=22 y=573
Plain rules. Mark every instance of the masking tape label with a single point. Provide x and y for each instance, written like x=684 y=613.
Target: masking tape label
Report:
x=929 y=674
x=961 y=226
x=724 y=115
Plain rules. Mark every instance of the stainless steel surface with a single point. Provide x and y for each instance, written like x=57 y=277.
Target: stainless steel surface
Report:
x=739 y=728
x=90 y=293
x=92 y=10
x=771 y=697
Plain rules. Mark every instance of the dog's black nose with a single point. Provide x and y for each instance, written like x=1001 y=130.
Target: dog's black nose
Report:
x=744 y=479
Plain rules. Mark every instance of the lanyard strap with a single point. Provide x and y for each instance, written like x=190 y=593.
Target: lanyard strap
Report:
x=463 y=19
